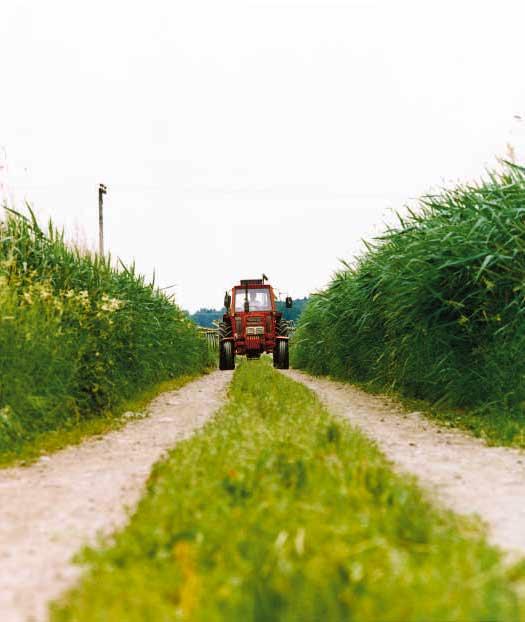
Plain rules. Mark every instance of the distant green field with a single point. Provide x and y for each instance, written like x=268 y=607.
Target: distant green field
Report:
x=435 y=310
x=78 y=337
x=278 y=511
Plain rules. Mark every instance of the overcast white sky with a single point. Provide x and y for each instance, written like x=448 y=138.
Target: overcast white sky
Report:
x=242 y=137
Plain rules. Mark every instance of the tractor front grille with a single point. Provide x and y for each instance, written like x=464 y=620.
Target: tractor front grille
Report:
x=253 y=344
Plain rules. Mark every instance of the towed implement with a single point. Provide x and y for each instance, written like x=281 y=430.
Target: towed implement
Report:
x=252 y=325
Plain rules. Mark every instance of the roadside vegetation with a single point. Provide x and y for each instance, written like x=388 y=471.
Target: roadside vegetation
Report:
x=78 y=339
x=73 y=433
x=278 y=511
x=435 y=310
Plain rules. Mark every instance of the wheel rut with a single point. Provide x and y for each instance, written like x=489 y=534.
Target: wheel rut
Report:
x=461 y=471
x=49 y=510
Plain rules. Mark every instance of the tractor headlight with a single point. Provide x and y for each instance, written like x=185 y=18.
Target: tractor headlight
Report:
x=255 y=330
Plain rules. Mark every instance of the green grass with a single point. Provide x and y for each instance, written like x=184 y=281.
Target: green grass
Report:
x=278 y=511
x=435 y=309
x=79 y=337
x=48 y=442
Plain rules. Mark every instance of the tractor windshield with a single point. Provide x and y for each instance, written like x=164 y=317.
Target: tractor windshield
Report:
x=259 y=300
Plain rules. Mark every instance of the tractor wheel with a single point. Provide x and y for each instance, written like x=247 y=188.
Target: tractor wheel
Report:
x=282 y=328
x=225 y=330
x=226 y=355
x=281 y=358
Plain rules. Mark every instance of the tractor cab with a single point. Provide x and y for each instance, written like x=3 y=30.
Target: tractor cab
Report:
x=251 y=299
x=252 y=325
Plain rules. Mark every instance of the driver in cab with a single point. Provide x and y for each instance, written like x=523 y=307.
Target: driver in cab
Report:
x=256 y=301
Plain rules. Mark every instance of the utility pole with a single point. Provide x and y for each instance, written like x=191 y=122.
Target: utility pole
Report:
x=4 y=181
x=102 y=190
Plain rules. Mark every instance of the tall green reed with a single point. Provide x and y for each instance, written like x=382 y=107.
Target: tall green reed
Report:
x=77 y=335
x=435 y=308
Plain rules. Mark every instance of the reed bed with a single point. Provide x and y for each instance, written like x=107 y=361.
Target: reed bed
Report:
x=435 y=308
x=77 y=335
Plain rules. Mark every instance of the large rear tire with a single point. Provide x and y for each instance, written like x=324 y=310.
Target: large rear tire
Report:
x=225 y=330
x=281 y=356
x=283 y=327
x=226 y=355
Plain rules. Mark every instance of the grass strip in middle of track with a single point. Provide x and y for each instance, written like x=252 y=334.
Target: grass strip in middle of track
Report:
x=278 y=511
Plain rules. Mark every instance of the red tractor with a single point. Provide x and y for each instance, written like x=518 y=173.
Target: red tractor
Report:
x=252 y=325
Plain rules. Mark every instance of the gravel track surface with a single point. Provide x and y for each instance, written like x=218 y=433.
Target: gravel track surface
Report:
x=49 y=510
x=461 y=471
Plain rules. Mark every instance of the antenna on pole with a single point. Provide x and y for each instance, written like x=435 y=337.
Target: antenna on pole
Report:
x=102 y=190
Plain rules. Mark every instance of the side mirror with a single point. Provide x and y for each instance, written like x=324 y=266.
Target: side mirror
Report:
x=289 y=302
x=227 y=300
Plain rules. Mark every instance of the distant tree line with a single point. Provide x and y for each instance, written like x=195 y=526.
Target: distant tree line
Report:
x=205 y=317
x=295 y=311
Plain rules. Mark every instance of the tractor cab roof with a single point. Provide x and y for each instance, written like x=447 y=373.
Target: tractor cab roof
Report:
x=251 y=282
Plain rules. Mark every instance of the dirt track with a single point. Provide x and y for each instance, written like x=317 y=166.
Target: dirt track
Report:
x=462 y=471
x=49 y=510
